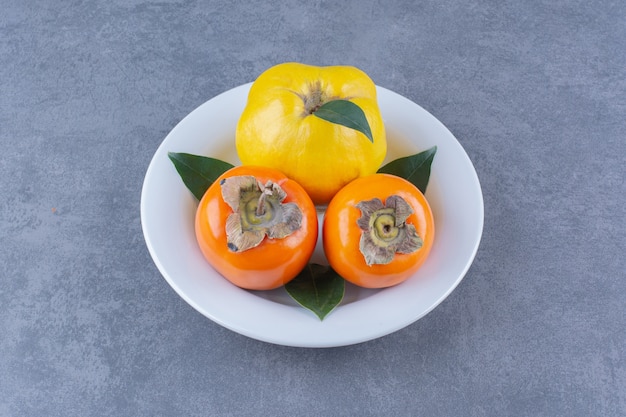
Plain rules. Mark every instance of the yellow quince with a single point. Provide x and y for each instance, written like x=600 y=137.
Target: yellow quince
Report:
x=320 y=126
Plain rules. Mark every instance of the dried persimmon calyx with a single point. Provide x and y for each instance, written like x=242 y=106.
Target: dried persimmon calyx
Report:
x=258 y=211
x=385 y=231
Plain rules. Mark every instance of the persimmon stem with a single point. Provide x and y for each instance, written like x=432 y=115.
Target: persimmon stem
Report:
x=260 y=206
x=258 y=211
x=385 y=231
x=266 y=190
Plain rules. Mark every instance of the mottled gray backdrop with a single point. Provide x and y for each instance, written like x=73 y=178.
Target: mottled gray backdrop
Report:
x=535 y=91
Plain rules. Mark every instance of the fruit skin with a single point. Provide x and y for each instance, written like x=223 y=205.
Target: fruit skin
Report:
x=341 y=233
x=277 y=130
x=275 y=261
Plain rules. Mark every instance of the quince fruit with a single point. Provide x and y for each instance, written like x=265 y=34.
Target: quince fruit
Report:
x=320 y=126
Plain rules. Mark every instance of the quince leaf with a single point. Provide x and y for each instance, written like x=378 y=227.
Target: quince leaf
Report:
x=317 y=288
x=414 y=168
x=198 y=172
x=345 y=113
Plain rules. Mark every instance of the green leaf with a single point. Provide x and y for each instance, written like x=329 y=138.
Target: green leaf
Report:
x=345 y=113
x=317 y=288
x=414 y=168
x=198 y=172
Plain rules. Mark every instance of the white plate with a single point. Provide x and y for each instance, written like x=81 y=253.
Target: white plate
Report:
x=168 y=209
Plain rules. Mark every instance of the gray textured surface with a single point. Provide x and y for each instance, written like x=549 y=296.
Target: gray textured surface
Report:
x=534 y=91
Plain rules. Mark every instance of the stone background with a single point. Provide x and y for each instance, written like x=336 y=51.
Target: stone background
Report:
x=534 y=91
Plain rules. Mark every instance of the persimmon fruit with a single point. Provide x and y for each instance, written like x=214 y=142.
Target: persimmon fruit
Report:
x=256 y=227
x=378 y=230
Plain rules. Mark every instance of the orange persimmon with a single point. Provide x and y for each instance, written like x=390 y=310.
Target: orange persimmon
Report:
x=256 y=227
x=378 y=230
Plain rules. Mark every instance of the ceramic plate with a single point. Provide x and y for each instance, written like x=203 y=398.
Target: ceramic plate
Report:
x=168 y=210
